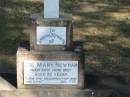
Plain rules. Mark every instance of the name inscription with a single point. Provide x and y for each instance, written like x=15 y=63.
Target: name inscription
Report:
x=51 y=72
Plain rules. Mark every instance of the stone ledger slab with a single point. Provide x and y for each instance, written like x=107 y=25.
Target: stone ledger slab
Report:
x=60 y=37
x=32 y=57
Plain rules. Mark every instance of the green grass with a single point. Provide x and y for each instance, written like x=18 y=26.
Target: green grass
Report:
x=14 y=27
x=103 y=25
x=105 y=29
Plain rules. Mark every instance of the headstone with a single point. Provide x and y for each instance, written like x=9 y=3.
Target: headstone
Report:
x=51 y=61
x=61 y=69
x=51 y=8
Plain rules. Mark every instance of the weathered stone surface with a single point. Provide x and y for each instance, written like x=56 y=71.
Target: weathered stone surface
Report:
x=63 y=21
x=9 y=90
x=46 y=93
x=24 y=54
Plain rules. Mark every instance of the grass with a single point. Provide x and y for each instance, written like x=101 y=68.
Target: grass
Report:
x=103 y=25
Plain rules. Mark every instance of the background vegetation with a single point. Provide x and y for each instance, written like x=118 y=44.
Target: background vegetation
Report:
x=103 y=26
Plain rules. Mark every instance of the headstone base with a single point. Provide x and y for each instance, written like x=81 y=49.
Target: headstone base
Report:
x=32 y=78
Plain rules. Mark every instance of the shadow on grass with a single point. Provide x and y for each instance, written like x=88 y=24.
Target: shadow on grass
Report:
x=14 y=22
x=123 y=27
x=108 y=45
x=102 y=81
x=14 y=27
